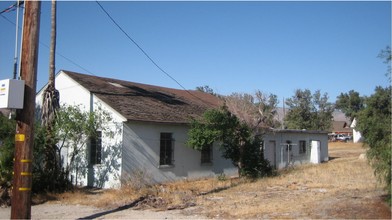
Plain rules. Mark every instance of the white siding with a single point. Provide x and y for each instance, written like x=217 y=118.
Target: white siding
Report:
x=357 y=136
x=281 y=156
x=106 y=174
x=133 y=152
x=141 y=155
x=71 y=93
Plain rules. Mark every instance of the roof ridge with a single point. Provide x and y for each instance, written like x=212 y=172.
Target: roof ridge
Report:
x=125 y=81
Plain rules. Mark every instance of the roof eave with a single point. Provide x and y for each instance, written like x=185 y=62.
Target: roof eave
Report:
x=157 y=122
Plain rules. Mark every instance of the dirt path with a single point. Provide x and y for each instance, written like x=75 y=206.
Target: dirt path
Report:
x=61 y=211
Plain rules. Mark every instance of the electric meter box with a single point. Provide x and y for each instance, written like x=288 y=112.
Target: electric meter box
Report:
x=12 y=93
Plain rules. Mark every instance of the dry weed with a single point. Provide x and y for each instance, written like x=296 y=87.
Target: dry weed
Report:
x=301 y=192
x=344 y=187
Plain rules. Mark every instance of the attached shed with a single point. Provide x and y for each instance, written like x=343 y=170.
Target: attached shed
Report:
x=283 y=147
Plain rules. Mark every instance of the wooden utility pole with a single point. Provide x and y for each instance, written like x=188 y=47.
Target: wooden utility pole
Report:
x=24 y=138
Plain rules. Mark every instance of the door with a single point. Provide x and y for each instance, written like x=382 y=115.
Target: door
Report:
x=315 y=152
x=271 y=153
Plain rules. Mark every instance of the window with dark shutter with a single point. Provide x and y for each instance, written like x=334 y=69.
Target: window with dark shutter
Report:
x=96 y=148
x=302 y=147
x=166 y=149
x=206 y=155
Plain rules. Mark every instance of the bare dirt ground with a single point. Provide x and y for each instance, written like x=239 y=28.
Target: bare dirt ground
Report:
x=343 y=188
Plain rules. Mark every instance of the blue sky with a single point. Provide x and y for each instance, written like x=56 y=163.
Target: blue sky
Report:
x=275 y=47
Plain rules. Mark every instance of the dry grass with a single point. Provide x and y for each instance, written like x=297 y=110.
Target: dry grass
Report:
x=309 y=191
x=174 y=195
x=341 y=188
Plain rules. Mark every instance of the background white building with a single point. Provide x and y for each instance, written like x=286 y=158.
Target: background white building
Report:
x=283 y=147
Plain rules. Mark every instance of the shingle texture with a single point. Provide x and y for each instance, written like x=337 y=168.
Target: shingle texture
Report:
x=141 y=102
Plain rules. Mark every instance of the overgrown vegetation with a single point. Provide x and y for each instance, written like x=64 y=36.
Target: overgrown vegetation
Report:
x=374 y=122
x=72 y=129
x=46 y=177
x=373 y=116
x=7 y=134
x=237 y=142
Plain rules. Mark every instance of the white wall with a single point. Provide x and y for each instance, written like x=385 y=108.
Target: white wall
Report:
x=357 y=136
x=141 y=155
x=138 y=153
x=282 y=156
x=106 y=174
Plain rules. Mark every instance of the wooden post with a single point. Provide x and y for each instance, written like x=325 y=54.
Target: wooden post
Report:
x=24 y=138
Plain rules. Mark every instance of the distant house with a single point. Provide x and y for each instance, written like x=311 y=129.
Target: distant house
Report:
x=154 y=123
x=342 y=127
x=283 y=147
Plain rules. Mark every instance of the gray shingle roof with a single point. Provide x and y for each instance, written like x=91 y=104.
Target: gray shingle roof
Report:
x=141 y=102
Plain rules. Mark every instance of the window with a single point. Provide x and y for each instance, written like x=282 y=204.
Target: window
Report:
x=302 y=147
x=96 y=148
x=206 y=154
x=288 y=145
x=166 y=149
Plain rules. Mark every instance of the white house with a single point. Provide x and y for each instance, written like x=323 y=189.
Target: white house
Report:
x=283 y=147
x=151 y=126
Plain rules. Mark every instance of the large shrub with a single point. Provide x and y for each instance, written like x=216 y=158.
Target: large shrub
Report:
x=237 y=142
x=374 y=122
x=7 y=145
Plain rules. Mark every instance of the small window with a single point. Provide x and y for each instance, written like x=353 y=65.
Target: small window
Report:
x=302 y=147
x=206 y=154
x=96 y=148
x=166 y=149
x=288 y=145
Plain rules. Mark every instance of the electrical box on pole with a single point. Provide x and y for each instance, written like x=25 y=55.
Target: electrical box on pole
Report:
x=12 y=93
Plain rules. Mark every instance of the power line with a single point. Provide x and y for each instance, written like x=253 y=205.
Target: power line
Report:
x=13 y=7
x=129 y=37
x=141 y=49
x=57 y=53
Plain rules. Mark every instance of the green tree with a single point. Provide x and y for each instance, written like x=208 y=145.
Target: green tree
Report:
x=235 y=138
x=7 y=145
x=307 y=111
x=205 y=89
x=349 y=103
x=374 y=122
x=386 y=55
